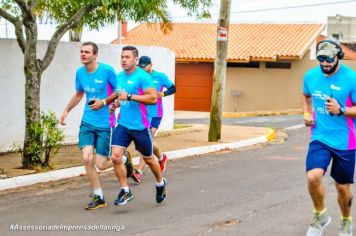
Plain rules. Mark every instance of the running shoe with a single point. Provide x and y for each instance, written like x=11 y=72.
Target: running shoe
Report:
x=123 y=197
x=95 y=203
x=161 y=192
x=319 y=222
x=346 y=227
x=137 y=176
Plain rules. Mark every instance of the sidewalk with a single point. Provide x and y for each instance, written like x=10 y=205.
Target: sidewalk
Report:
x=178 y=143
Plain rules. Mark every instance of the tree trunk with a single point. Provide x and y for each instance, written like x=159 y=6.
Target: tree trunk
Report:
x=75 y=35
x=32 y=103
x=219 y=72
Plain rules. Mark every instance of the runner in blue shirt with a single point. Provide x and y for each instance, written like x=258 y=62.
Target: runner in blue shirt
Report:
x=160 y=81
x=96 y=81
x=328 y=101
x=135 y=90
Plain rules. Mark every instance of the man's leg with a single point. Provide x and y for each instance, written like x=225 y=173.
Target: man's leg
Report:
x=125 y=194
x=143 y=143
x=317 y=161
x=138 y=172
x=152 y=162
x=103 y=163
x=120 y=141
x=87 y=144
x=344 y=198
x=88 y=160
x=316 y=188
x=97 y=197
x=119 y=167
x=343 y=170
x=162 y=158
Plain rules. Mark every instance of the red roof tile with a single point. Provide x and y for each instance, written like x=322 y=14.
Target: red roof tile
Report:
x=247 y=42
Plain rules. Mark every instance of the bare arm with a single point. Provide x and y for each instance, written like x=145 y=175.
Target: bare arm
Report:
x=350 y=111
x=307 y=108
x=149 y=96
x=76 y=98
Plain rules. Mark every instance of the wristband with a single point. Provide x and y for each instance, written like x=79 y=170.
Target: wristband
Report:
x=104 y=101
x=306 y=115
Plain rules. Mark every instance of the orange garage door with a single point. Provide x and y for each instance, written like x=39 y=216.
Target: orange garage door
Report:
x=194 y=83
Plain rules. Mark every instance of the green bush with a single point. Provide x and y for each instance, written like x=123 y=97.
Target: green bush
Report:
x=51 y=137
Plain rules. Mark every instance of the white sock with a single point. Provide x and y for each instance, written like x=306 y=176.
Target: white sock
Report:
x=161 y=158
x=139 y=171
x=126 y=189
x=160 y=184
x=124 y=159
x=99 y=192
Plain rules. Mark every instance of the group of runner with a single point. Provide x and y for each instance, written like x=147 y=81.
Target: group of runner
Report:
x=328 y=102
x=137 y=92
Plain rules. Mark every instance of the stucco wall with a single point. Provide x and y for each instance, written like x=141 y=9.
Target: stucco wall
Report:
x=267 y=89
x=58 y=85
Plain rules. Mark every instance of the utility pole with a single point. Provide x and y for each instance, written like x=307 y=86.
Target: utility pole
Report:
x=219 y=71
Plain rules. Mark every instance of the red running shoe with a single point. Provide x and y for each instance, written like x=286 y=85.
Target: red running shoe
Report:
x=136 y=176
x=162 y=163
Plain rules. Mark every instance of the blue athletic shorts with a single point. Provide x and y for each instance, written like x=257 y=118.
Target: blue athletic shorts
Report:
x=142 y=139
x=155 y=122
x=343 y=161
x=99 y=138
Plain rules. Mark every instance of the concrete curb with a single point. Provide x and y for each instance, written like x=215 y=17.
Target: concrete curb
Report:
x=25 y=180
x=262 y=113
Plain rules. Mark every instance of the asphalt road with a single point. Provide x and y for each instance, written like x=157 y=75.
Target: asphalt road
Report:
x=253 y=192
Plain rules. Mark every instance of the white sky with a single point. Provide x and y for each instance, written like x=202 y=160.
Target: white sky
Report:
x=241 y=11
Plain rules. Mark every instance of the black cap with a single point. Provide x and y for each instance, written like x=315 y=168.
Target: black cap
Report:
x=144 y=61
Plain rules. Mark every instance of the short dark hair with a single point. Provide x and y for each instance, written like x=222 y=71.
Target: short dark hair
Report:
x=132 y=49
x=94 y=46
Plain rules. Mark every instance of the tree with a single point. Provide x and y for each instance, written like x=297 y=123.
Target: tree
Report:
x=71 y=14
x=219 y=72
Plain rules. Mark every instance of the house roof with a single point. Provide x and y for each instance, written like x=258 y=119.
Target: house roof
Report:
x=247 y=42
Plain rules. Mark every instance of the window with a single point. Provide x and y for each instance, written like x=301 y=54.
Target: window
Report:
x=336 y=36
x=278 y=65
x=244 y=65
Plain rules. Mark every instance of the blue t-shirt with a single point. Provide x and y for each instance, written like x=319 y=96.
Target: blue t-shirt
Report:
x=335 y=131
x=160 y=81
x=134 y=115
x=96 y=85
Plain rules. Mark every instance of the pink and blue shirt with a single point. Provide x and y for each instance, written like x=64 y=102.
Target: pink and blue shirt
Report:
x=335 y=131
x=97 y=85
x=134 y=115
x=160 y=81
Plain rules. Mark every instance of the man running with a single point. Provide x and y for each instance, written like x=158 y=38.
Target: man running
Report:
x=328 y=102
x=135 y=90
x=160 y=81
x=95 y=80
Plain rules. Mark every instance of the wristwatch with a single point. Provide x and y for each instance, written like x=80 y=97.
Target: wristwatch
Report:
x=129 y=96
x=341 y=110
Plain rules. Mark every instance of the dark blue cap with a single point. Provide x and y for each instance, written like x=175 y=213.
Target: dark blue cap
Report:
x=144 y=61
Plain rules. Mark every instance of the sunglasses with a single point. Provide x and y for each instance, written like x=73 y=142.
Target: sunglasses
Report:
x=325 y=58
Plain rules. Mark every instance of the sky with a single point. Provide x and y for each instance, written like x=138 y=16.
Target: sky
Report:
x=268 y=11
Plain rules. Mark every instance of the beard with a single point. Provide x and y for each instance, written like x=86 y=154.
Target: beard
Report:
x=332 y=70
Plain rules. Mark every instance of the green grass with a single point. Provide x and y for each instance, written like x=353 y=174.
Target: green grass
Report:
x=181 y=126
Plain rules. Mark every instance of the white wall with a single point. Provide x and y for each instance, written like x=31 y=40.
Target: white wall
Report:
x=58 y=85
